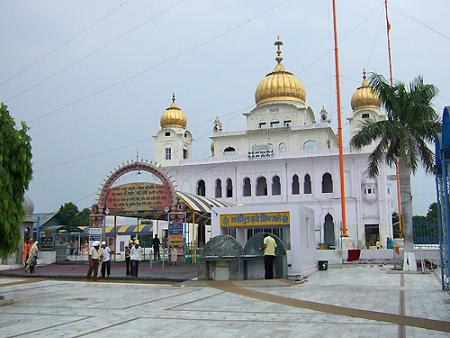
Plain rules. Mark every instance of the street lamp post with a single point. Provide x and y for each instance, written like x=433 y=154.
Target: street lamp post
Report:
x=104 y=225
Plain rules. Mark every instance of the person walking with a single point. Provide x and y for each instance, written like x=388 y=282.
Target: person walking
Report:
x=127 y=259
x=156 y=243
x=94 y=257
x=32 y=257
x=106 y=261
x=135 y=258
x=26 y=252
x=268 y=248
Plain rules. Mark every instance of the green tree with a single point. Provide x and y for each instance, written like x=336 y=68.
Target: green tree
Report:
x=15 y=175
x=68 y=214
x=83 y=216
x=411 y=123
x=432 y=213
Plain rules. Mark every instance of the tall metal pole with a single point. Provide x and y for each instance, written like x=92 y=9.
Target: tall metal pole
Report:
x=338 y=102
x=391 y=80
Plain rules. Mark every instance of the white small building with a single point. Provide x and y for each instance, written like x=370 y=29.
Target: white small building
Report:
x=285 y=155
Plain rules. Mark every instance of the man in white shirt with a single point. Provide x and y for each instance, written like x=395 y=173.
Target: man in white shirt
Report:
x=93 y=261
x=106 y=262
x=135 y=258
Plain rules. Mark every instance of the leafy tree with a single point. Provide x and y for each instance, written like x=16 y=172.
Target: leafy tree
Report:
x=83 y=216
x=68 y=214
x=15 y=175
x=411 y=123
x=432 y=213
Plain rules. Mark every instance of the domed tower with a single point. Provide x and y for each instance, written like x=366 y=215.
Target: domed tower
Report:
x=280 y=99
x=280 y=84
x=173 y=142
x=366 y=107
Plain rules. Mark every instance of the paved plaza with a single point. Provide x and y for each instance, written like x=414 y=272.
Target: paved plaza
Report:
x=349 y=301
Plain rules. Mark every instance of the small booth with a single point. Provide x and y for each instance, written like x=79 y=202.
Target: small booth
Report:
x=253 y=258
x=221 y=259
x=290 y=224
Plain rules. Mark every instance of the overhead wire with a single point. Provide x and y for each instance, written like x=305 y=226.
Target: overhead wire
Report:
x=414 y=19
x=66 y=42
x=167 y=60
x=95 y=51
x=110 y=150
x=372 y=49
x=202 y=122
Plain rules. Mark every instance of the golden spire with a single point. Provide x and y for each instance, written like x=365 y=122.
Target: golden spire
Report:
x=364 y=96
x=280 y=84
x=278 y=43
x=173 y=116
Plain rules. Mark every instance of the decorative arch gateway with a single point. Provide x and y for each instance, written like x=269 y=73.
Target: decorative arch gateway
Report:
x=170 y=202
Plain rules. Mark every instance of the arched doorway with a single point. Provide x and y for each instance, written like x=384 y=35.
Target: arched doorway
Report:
x=328 y=231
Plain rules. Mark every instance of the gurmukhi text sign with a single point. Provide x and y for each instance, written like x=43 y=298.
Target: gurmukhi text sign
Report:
x=136 y=197
x=255 y=219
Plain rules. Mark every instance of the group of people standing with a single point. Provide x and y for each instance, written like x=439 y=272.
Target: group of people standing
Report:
x=133 y=256
x=99 y=255
x=30 y=255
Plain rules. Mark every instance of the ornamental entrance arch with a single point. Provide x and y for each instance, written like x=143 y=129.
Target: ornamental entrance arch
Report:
x=166 y=191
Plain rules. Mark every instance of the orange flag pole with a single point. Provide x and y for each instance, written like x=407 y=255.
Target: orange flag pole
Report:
x=397 y=176
x=338 y=101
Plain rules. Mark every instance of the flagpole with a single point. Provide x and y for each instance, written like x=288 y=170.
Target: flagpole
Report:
x=338 y=102
x=391 y=80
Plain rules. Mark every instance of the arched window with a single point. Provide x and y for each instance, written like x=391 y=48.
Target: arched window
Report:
x=247 y=188
x=282 y=147
x=229 y=151
x=274 y=123
x=328 y=231
x=309 y=145
x=218 y=189
x=295 y=185
x=276 y=185
x=229 y=187
x=201 y=189
x=327 y=183
x=261 y=186
x=307 y=184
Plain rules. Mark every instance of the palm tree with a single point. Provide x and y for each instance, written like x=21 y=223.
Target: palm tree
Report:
x=411 y=124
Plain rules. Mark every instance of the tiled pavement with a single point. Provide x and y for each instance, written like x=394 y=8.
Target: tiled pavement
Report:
x=65 y=308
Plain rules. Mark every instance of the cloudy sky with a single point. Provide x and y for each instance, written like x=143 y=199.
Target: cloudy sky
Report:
x=91 y=78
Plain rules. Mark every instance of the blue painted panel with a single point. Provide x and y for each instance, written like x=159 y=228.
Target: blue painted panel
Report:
x=446 y=129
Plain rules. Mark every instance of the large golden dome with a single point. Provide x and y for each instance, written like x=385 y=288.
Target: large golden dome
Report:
x=365 y=97
x=173 y=116
x=280 y=84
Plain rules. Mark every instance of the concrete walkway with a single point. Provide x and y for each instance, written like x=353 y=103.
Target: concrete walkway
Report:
x=157 y=272
x=352 y=301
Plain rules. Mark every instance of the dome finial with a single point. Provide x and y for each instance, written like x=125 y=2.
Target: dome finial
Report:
x=364 y=73
x=173 y=97
x=278 y=43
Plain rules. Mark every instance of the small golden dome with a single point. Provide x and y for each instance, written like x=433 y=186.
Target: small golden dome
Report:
x=173 y=116
x=280 y=84
x=364 y=96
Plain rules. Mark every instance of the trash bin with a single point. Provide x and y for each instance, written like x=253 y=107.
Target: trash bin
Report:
x=323 y=265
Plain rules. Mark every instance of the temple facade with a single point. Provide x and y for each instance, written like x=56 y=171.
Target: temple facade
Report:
x=287 y=153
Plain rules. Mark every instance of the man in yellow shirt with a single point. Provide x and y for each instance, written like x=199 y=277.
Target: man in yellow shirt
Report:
x=268 y=248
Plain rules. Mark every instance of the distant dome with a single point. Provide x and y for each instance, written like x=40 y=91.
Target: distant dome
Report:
x=173 y=116
x=280 y=84
x=365 y=97
x=28 y=207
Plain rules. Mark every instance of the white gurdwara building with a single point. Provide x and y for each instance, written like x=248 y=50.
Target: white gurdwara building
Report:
x=285 y=155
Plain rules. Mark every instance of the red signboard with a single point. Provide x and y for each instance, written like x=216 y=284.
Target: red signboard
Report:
x=138 y=197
